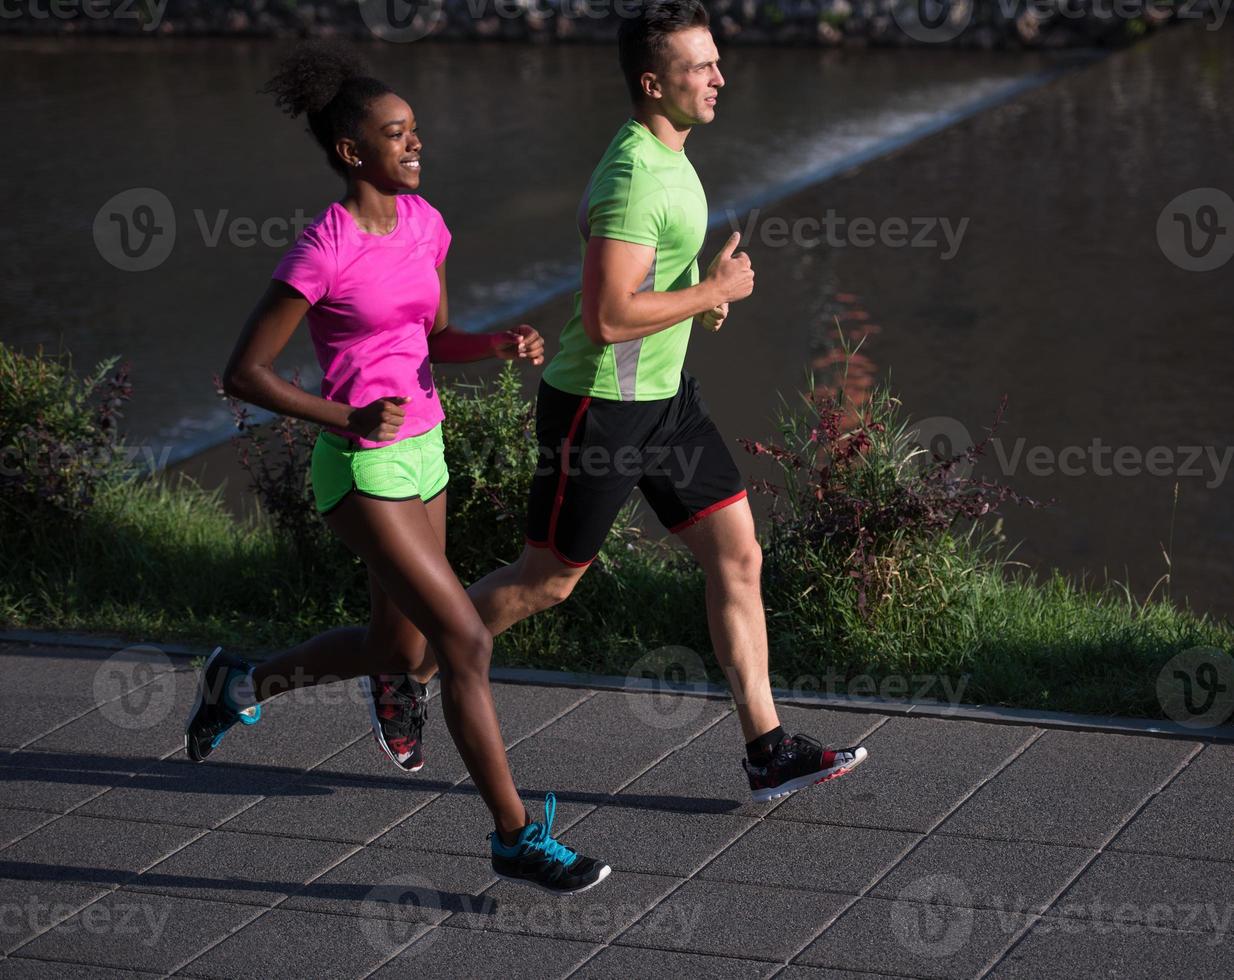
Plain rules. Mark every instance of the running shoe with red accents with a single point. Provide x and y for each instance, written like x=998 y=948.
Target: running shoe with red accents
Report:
x=398 y=711
x=799 y=761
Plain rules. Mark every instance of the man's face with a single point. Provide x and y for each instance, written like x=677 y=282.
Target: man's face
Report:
x=690 y=79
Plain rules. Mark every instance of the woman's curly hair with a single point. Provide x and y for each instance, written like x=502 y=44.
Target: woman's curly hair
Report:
x=330 y=85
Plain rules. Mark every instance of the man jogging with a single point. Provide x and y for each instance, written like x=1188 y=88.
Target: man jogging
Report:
x=616 y=410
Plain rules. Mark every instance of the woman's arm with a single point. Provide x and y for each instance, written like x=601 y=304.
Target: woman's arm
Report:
x=447 y=344
x=250 y=374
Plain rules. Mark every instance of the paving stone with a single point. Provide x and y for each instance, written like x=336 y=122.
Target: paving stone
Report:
x=132 y=930
x=15 y=968
x=28 y=907
x=603 y=743
x=521 y=709
x=913 y=939
x=146 y=723
x=1054 y=948
x=91 y=849
x=300 y=729
x=818 y=973
x=655 y=841
x=1192 y=816
x=595 y=916
x=1150 y=890
x=623 y=962
x=378 y=883
x=458 y=822
x=986 y=874
x=810 y=856
x=44 y=688
x=745 y=921
x=286 y=943
x=17 y=823
x=706 y=775
x=192 y=795
x=55 y=783
x=465 y=954
x=242 y=869
x=896 y=787
x=1036 y=797
x=332 y=809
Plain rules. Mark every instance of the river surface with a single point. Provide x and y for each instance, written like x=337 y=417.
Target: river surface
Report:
x=1037 y=273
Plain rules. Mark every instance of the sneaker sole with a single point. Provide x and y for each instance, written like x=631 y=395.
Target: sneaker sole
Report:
x=197 y=704
x=801 y=782
x=376 y=723
x=604 y=873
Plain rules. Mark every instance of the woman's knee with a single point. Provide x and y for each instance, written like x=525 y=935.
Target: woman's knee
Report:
x=465 y=651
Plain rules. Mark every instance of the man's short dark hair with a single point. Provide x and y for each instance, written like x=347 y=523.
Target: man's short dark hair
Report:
x=641 y=40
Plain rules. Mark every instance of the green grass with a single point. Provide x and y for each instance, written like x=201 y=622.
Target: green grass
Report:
x=160 y=561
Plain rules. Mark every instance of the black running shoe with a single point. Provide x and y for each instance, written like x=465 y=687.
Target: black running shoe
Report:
x=398 y=712
x=537 y=859
x=798 y=762
x=213 y=715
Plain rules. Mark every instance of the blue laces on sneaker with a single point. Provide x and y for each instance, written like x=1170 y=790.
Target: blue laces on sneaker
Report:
x=543 y=840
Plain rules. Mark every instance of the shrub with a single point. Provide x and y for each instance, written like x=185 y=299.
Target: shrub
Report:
x=59 y=435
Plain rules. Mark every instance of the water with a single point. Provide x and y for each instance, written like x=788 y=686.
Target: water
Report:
x=1059 y=295
x=511 y=134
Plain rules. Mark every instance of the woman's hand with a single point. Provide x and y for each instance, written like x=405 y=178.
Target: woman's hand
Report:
x=521 y=343
x=379 y=420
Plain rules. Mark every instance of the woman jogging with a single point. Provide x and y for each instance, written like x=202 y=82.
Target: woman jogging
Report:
x=369 y=274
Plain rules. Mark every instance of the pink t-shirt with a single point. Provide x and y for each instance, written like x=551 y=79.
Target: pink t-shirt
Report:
x=373 y=299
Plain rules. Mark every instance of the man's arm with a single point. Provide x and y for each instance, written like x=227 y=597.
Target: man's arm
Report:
x=613 y=308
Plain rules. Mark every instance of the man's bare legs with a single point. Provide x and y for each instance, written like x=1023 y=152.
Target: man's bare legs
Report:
x=725 y=546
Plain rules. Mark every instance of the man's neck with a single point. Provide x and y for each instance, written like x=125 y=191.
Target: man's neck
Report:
x=662 y=128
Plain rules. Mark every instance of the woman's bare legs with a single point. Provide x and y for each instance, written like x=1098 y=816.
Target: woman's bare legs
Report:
x=404 y=554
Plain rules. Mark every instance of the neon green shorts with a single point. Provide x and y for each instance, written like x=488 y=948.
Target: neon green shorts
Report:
x=404 y=470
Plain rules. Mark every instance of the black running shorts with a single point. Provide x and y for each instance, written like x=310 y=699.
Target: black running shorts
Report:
x=595 y=451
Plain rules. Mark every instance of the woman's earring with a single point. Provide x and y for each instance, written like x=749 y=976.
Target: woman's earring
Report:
x=358 y=162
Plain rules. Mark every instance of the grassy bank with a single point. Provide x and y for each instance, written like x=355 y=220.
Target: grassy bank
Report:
x=882 y=573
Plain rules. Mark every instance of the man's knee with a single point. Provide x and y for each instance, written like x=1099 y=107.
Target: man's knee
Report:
x=742 y=563
x=546 y=588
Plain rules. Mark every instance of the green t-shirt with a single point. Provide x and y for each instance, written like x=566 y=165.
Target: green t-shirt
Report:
x=646 y=193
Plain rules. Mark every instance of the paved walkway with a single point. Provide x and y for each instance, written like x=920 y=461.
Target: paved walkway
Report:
x=960 y=849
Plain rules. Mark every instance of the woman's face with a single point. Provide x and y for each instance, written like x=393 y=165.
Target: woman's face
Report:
x=389 y=147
